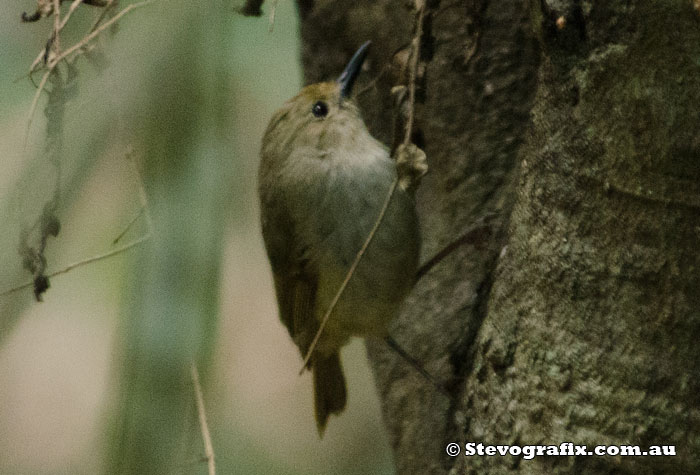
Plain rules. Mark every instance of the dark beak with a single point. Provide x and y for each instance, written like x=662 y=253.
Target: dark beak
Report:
x=352 y=70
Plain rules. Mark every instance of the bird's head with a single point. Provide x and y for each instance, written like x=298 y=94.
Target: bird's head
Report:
x=322 y=117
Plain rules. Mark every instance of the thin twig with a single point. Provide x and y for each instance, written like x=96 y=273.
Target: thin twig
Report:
x=393 y=344
x=350 y=273
x=143 y=199
x=34 y=65
x=414 y=72
x=374 y=81
x=143 y=196
x=89 y=260
x=102 y=15
x=71 y=9
x=128 y=226
x=208 y=447
x=273 y=10
x=57 y=25
x=102 y=28
x=38 y=59
x=59 y=57
x=471 y=52
x=479 y=231
x=378 y=222
x=35 y=102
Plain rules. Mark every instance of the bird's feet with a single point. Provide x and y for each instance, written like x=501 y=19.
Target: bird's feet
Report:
x=411 y=165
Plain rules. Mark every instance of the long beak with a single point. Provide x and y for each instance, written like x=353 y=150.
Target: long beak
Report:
x=352 y=70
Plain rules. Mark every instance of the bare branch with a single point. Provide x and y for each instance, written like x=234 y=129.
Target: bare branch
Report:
x=475 y=234
x=84 y=262
x=420 y=4
x=101 y=28
x=107 y=8
x=35 y=102
x=57 y=25
x=273 y=10
x=394 y=345
x=128 y=226
x=73 y=6
x=53 y=62
x=201 y=412
x=143 y=196
x=143 y=199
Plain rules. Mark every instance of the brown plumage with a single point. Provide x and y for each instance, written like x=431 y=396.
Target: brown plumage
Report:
x=322 y=182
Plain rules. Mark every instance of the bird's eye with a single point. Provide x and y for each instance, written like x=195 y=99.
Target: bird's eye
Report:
x=320 y=109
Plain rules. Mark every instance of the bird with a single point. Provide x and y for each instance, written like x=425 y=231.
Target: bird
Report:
x=323 y=180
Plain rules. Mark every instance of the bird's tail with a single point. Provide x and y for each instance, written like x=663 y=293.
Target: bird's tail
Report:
x=329 y=388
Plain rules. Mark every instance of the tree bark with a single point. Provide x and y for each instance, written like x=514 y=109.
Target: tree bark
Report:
x=566 y=132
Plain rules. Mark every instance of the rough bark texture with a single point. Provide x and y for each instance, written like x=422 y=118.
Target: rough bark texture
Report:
x=576 y=317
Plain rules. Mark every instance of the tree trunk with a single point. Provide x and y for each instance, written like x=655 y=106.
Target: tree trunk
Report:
x=565 y=133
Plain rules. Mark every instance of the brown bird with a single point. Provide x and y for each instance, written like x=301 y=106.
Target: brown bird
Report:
x=323 y=180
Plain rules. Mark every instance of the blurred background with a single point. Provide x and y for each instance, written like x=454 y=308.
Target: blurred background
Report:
x=170 y=81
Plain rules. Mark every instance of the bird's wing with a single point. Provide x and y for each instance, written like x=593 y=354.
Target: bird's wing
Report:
x=295 y=279
x=296 y=298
